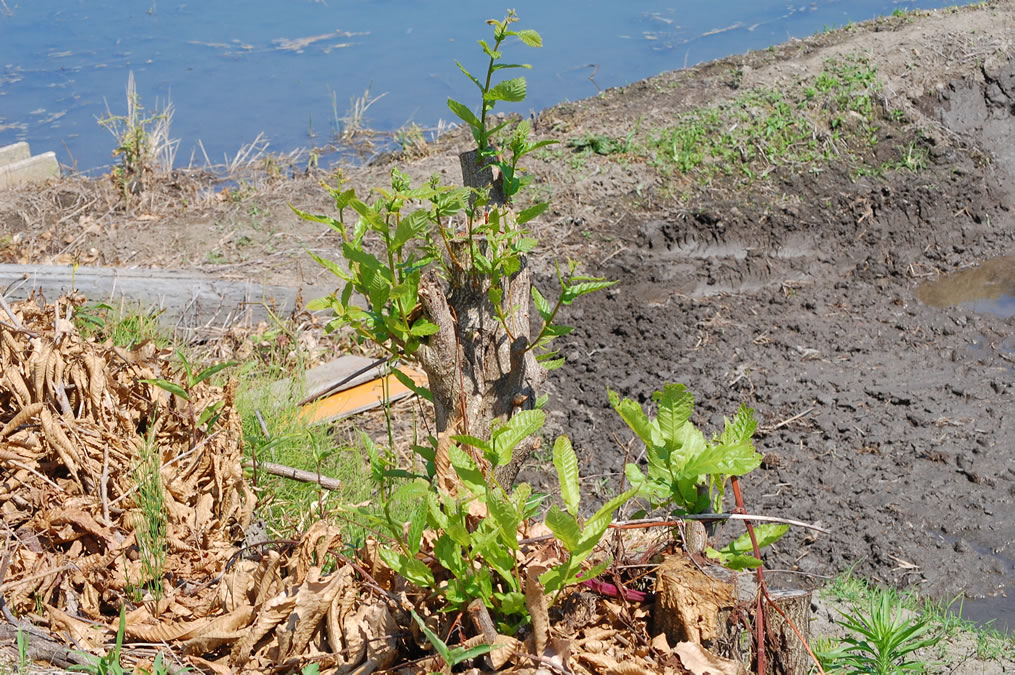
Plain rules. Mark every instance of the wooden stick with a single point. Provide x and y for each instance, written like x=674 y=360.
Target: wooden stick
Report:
x=786 y=421
x=652 y=522
x=300 y=475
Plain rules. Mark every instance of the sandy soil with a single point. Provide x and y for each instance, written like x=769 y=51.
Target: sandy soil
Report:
x=886 y=420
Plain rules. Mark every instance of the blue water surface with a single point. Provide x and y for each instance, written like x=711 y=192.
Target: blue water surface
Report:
x=234 y=69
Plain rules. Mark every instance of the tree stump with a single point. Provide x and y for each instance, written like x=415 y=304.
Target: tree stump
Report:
x=786 y=654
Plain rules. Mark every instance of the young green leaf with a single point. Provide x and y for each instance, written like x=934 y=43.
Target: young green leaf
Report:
x=676 y=405
x=415 y=571
x=636 y=419
x=574 y=291
x=422 y=328
x=542 y=305
x=505 y=438
x=208 y=372
x=566 y=463
x=528 y=214
x=512 y=91
x=564 y=527
x=171 y=387
x=327 y=220
x=408 y=382
x=529 y=37
x=462 y=111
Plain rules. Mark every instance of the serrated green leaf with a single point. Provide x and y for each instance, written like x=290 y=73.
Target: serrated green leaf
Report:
x=416 y=524
x=676 y=405
x=494 y=55
x=595 y=527
x=331 y=266
x=466 y=469
x=566 y=463
x=526 y=244
x=741 y=429
x=462 y=111
x=422 y=328
x=474 y=441
x=327 y=220
x=542 y=304
x=410 y=227
x=725 y=460
x=739 y=563
x=564 y=527
x=551 y=364
x=503 y=511
x=505 y=438
x=415 y=571
x=317 y=304
x=533 y=211
x=529 y=37
x=574 y=291
x=552 y=579
x=408 y=382
x=766 y=534
x=512 y=91
x=449 y=555
x=632 y=414
x=171 y=387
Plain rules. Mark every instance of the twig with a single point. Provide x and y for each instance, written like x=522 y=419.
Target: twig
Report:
x=759 y=622
x=301 y=475
x=267 y=438
x=337 y=385
x=788 y=420
x=653 y=522
x=32 y=577
x=10 y=312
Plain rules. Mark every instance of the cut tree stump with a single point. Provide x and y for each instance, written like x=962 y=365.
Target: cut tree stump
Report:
x=787 y=655
x=700 y=604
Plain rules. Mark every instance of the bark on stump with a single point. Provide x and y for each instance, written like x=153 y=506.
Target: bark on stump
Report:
x=787 y=655
x=478 y=371
x=696 y=606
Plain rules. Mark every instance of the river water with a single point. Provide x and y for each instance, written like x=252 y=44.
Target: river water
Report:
x=235 y=69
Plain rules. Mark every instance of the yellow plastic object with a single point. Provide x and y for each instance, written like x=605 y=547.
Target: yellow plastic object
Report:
x=359 y=398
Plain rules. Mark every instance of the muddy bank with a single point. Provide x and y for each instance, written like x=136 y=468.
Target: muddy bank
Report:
x=887 y=420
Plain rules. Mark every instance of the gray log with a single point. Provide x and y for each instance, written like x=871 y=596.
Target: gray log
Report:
x=189 y=299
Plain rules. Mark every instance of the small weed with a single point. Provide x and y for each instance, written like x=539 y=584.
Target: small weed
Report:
x=151 y=521
x=143 y=143
x=763 y=129
x=124 y=327
x=412 y=141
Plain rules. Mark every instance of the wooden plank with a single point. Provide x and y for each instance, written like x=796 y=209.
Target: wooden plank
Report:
x=188 y=299
x=359 y=398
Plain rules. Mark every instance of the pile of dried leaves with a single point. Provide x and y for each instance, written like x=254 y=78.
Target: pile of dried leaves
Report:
x=74 y=415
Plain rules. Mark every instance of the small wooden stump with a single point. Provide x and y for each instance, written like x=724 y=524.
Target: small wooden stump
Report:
x=691 y=605
x=786 y=654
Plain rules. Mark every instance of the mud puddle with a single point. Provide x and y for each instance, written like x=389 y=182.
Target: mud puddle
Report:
x=988 y=288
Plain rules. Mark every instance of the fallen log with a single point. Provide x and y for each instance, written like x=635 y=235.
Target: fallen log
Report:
x=186 y=299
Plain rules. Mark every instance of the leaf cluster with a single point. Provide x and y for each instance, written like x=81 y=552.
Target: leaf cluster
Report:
x=686 y=472
x=474 y=535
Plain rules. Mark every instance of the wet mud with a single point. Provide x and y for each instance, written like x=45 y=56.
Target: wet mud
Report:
x=885 y=419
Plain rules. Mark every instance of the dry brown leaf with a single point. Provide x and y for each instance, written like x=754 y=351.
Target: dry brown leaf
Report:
x=275 y=611
x=312 y=602
x=86 y=634
x=600 y=663
x=696 y=659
